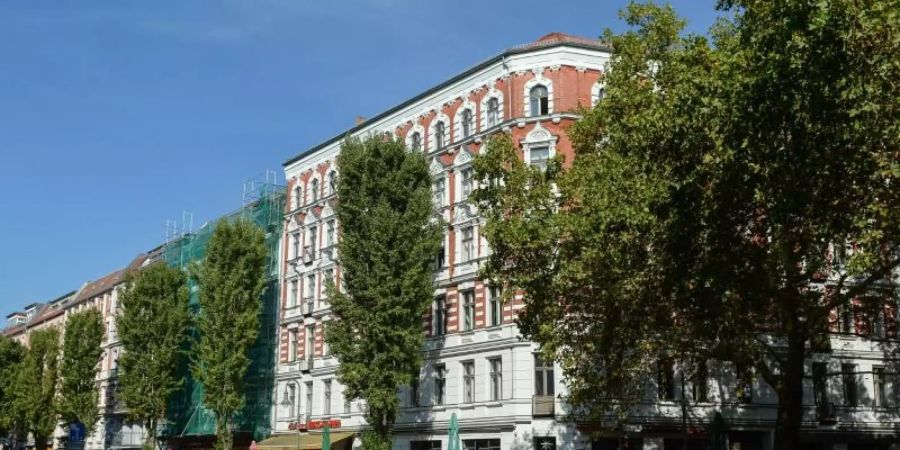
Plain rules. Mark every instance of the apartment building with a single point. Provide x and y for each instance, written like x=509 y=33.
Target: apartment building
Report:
x=476 y=364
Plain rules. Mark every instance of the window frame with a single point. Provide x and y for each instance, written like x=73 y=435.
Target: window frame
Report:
x=468 y=385
x=468 y=296
x=538 y=101
x=439 y=396
x=496 y=377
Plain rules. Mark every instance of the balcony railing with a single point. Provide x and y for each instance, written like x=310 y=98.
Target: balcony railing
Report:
x=543 y=405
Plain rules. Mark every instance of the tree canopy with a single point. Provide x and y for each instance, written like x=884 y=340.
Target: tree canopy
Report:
x=35 y=386
x=387 y=241
x=80 y=359
x=154 y=326
x=11 y=354
x=231 y=280
x=710 y=192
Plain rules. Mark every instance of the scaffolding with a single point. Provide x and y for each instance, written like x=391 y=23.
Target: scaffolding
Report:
x=189 y=423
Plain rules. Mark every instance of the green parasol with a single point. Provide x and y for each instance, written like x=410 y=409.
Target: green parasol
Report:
x=326 y=438
x=453 y=438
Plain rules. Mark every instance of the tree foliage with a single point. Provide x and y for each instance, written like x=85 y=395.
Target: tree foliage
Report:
x=387 y=242
x=231 y=280
x=81 y=355
x=35 y=386
x=709 y=188
x=11 y=354
x=153 y=325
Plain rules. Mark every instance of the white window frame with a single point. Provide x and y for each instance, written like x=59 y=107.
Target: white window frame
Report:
x=458 y=122
x=598 y=91
x=417 y=128
x=538 y=79
x=538 y=137
x=492 y=93
x=432 y=132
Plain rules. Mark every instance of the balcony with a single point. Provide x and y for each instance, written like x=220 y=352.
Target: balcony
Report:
x=543 y=406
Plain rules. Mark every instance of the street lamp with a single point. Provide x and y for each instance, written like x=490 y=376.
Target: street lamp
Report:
x=288 y=401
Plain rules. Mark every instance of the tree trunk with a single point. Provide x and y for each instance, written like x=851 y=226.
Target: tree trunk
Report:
x=40 y=442
x=150 y=429
x=790 y=397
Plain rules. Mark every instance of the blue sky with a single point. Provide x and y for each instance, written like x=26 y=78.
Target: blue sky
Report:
x=116 y=116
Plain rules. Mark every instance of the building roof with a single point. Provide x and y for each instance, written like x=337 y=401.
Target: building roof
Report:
x=550 y=40
x=109 y=281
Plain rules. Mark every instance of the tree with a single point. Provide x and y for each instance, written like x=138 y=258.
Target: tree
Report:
x=80 y=358
x=387 y=243
x=154 y=326
x=11 y=354
x=35 y=386
x=709 y=190
x=231 y=280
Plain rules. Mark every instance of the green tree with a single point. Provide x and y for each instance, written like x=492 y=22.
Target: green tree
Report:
x=11 y=354
x=35 y=386
x=81 y=355
x=153 y=325
x=387 y=243
x=231 y=280
x=708 y=190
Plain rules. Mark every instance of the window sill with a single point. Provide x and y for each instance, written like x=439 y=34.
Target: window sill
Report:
x=467 y=406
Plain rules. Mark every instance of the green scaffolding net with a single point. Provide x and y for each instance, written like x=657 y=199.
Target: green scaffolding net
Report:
x=187 y=416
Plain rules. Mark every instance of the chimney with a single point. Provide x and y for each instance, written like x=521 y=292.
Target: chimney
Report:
x=359 y=120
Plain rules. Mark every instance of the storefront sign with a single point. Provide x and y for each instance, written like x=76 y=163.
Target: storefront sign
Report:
x=314 y=424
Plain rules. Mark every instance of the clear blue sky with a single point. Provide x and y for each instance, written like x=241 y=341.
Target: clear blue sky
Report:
x=115 y=116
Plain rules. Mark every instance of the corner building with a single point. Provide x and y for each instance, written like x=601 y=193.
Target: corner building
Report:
x=476 y=365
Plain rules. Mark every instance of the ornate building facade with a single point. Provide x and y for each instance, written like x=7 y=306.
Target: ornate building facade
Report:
x=476 y=364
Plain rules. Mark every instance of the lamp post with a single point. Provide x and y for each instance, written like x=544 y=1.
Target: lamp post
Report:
x=289 y=402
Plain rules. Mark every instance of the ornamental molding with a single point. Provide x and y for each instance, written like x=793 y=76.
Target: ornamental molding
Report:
x=435 y=167
x=464 y=157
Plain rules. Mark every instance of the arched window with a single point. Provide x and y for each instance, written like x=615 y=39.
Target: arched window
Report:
x=332 y=182
x=415 y=141
x=466 y=123
x=493 y=112
x=540 y=103
x=315 y=190
x=439 y=134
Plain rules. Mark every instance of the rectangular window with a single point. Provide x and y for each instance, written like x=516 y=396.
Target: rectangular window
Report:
x=310 y=292
x=329 y=233
x=496 y=306
x=292 y=395
x=468 y=381
x=295 y=245
x=744 y=384
x=326 y=398
x=414 y=392
x=845 y=320
x=424 y=445
x=544 y=381
x=298 y=196
x=468 y=176
x=293 y=297
x=313 y=243
x=848 y=375
x=292 y=345
x=820 y=383
x=881 y=400
x=468 y=243
x=482 y=444
x=538 y=157
x=440 y=384
x=309 y=399
x=665 y=380
x=496 y=378
x=326 y=349
x=440 y=315
x=700 y=383
x=346 y=403
x=439 y=260
x=310 y=343
x=438 y=192
x=468 y=310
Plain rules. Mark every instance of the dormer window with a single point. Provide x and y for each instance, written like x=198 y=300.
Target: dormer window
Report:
x=539 y=101
x=415 y=141
x=493 y=112
x=439 y=135
x=466 y=123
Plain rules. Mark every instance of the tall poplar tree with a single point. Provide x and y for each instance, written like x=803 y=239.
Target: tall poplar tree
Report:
x=11 y=354
x=154 y=326
x=35 y=386
x=713 y=193
x=81 y=355
x=388 y=239
x=231 y=280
